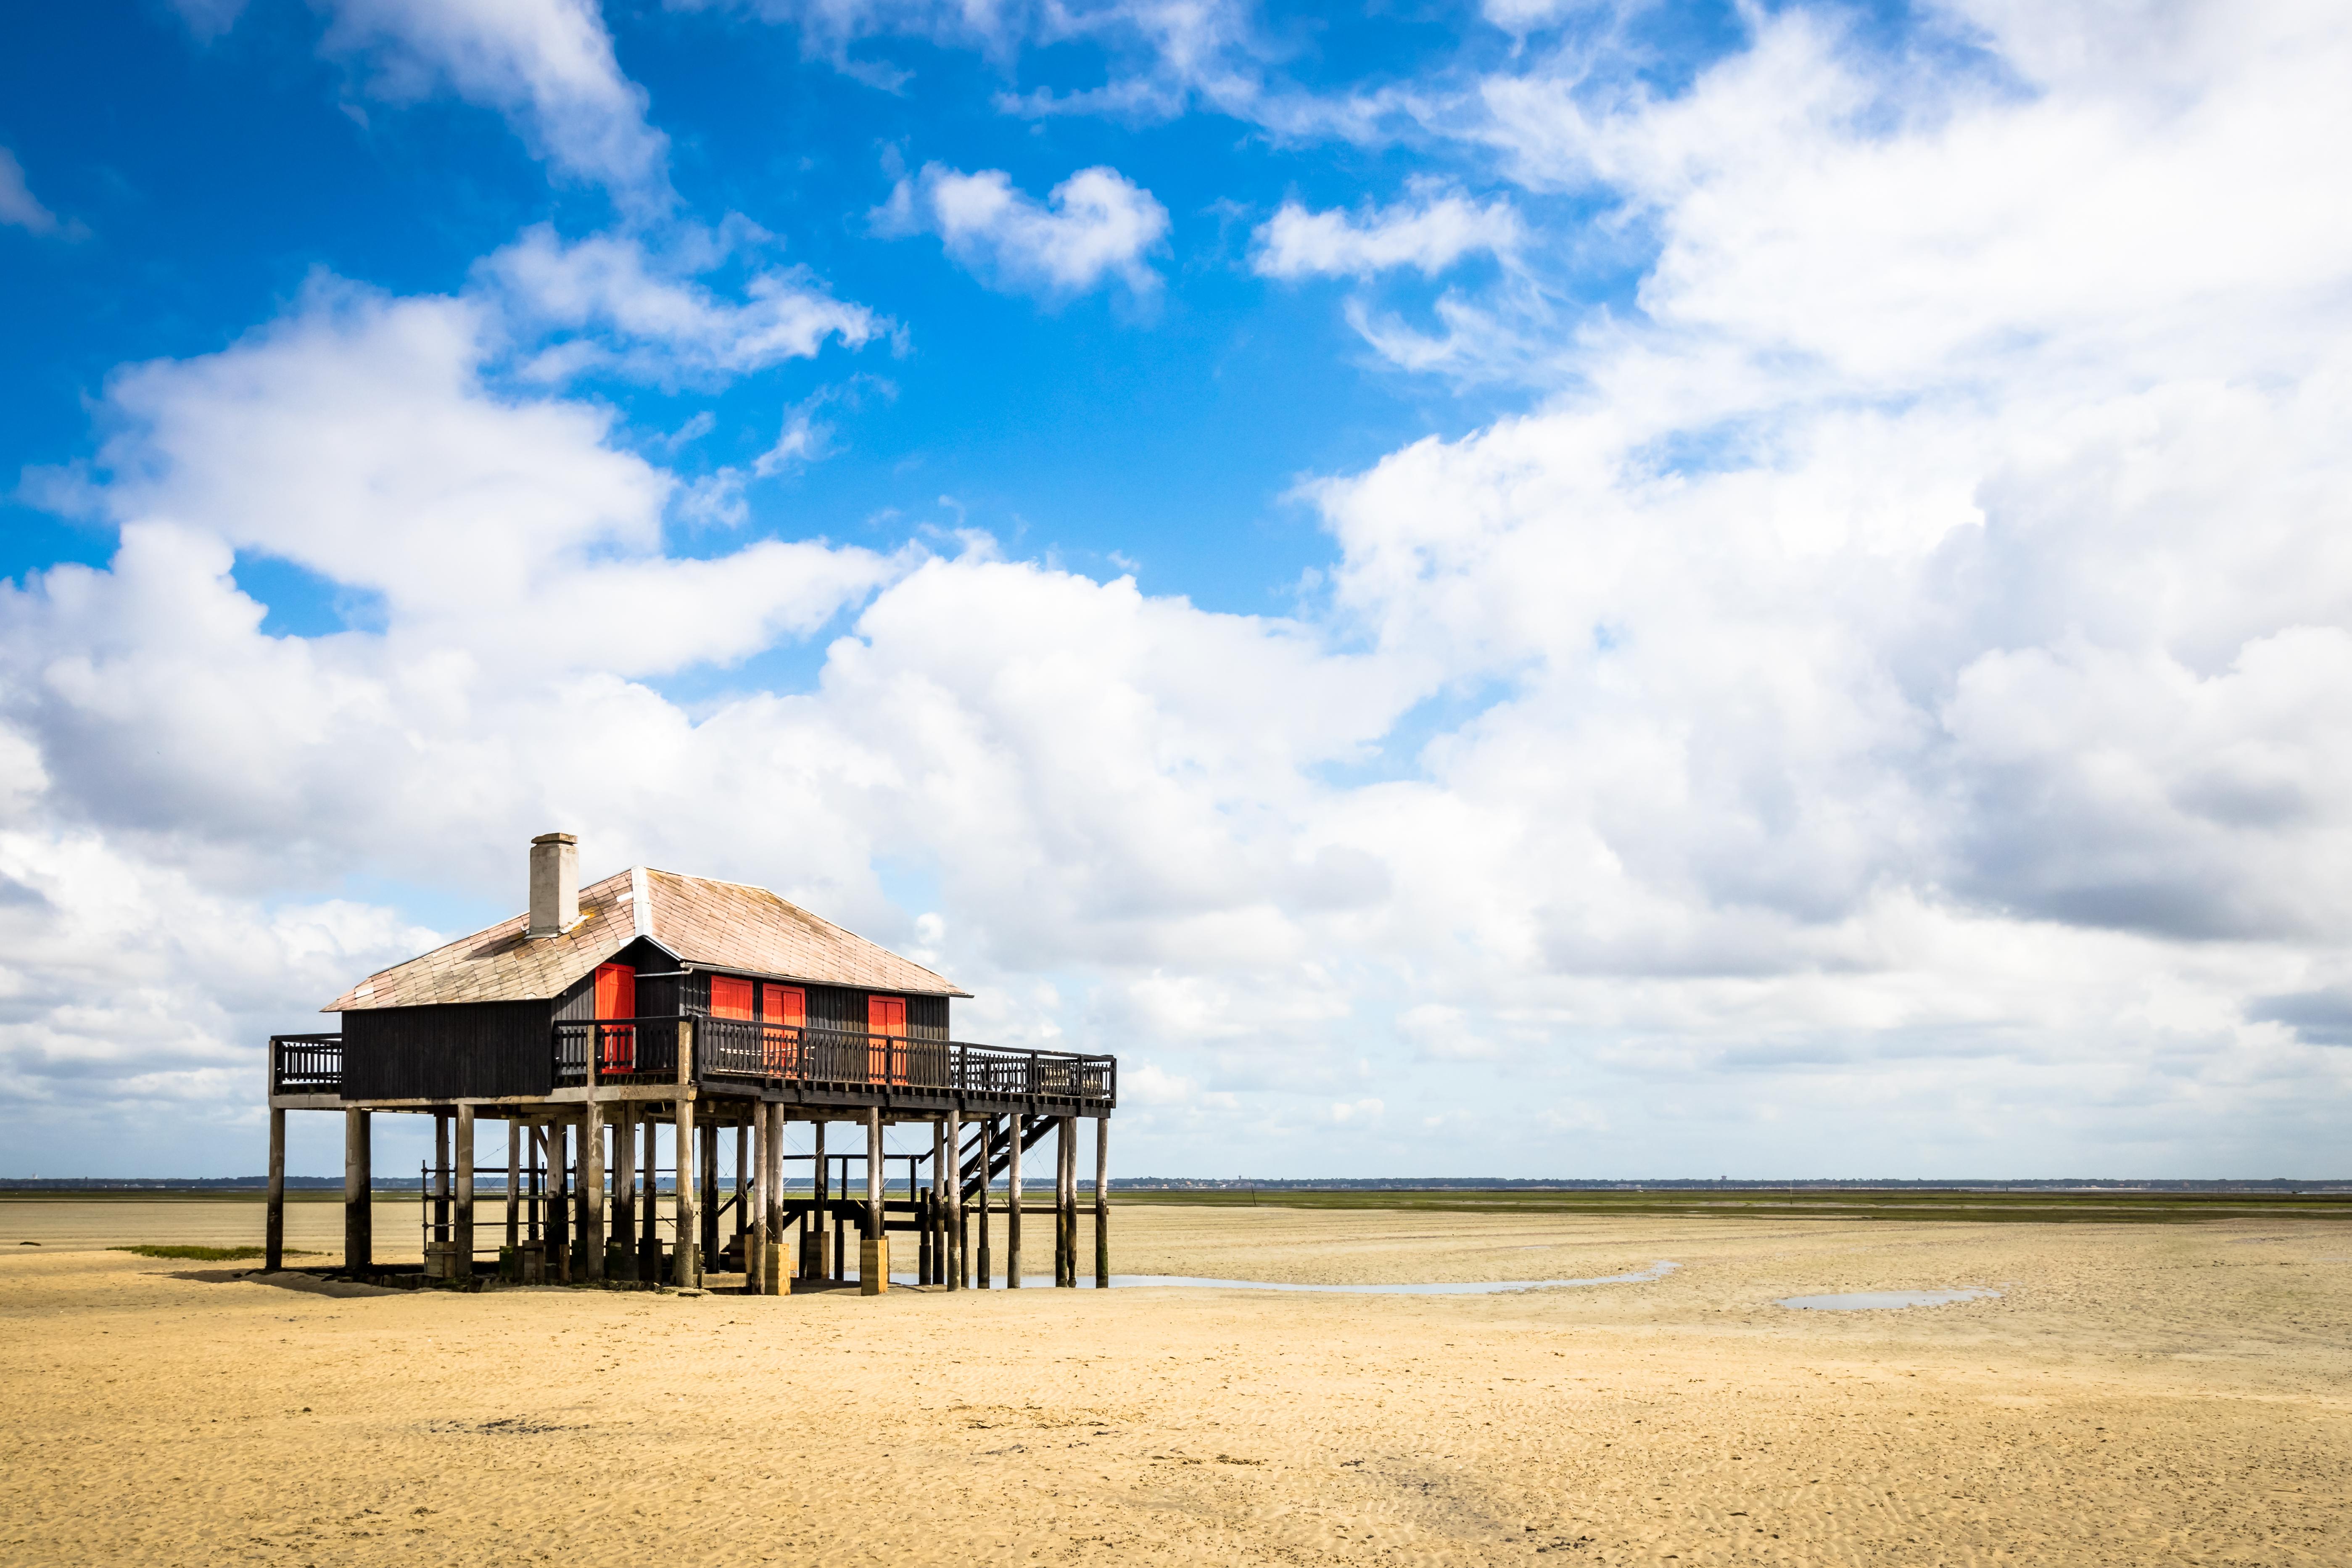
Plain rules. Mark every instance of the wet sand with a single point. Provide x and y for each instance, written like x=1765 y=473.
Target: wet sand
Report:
x=2138 y=1394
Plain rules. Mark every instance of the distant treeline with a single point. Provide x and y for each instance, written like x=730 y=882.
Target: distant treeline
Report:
x=1320 y=1184
x=1719 y=1185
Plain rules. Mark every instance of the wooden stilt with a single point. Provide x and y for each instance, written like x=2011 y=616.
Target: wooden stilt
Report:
x=1066 y=1218
x=537 y=1139
x=958 y=1263
x=358 y=1218
x=625 y=1192
x=742 y=1191
x=1013 y=1204
x=752 y=1224
x=514 y=1184
x=774 y=1277
x=273 y=1228
x=649 y=1258
x=464 y=1259
x=687 y=1272
x=820 y=1192
x=935 y=1232
x=559 y=1202
x=440 y=1176
x=874 y=1250
x=983 y=1267
x=708 y=1156
x=592 y=1192
x=1102 y=1203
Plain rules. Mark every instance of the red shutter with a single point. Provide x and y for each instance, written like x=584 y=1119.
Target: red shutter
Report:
x=616 y=997
x=885 y=1015
x=786 y=1007
x=730 y=998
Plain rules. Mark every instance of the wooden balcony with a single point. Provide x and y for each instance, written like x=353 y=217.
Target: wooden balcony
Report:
x=823 y=1069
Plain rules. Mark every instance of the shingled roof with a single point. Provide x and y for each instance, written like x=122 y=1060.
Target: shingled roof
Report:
x=707 y=923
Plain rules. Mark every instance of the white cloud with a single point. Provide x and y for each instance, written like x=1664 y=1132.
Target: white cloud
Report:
x=646 y=315
x=1428 y=234
x=18 y=207
x=1893 y=682
x=547 y=65
x=1095 y=224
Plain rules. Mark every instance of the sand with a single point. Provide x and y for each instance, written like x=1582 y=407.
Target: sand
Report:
x=2138 y=1394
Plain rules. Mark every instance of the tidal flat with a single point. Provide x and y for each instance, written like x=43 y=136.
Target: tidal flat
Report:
x=2136 y=1394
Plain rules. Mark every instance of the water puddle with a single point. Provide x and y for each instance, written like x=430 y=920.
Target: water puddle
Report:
x=1658 y=1271
x=1874 y=1300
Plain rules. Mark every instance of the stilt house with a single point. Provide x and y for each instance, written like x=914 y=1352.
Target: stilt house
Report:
x=654 y=1003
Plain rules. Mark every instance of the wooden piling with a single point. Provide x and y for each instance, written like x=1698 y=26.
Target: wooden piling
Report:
x=559 y=1202
x=1070 y=1201
x=649 y=1223
x=465 y=1156
x=743 y=1195
x=874 y=1250
x=1013 y=1204
x=820 y=1192
x=358 y=1217
x=775 y=1277
x=935 y=1234
x=687 y=1270
x=709 y=1168
x=273 y=1228
x=982 y=1266
x=1102 y=1203
x=534 y=1217
x=958 y=1262
x=440 y=1231
x=514 y=1185
x=592 y=1192
x=625 y=1192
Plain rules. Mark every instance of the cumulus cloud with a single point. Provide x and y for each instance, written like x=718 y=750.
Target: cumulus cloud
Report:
x=1428 y=234
x=1891 y=681
x=1162 y=56
x=548 y=65
x=18 y=207
x=1096 y=224
x=632 y=310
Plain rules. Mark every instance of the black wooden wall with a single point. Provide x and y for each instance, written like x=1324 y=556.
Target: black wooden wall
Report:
x=465 y=1048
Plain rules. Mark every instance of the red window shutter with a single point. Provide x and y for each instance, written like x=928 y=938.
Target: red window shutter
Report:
x=616 y=990
x=730 y=998
x=786 y=1006
x=616 y=997
x=884 y=1015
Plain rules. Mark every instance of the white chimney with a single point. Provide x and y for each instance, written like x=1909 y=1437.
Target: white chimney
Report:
x=555 y=884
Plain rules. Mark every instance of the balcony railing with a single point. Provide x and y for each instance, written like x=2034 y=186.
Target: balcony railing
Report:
x=305 y=1064
x=644 y=1050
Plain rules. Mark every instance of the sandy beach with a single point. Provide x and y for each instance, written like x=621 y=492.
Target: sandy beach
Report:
x=2136 y=1394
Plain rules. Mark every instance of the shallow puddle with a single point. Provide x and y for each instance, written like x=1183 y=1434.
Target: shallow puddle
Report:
x=1658 y=1271
x=1870 y=1301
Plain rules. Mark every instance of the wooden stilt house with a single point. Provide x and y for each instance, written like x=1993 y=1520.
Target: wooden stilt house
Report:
x=654 y=1009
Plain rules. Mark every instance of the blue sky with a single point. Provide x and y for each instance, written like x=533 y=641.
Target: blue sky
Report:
x=1712 y=573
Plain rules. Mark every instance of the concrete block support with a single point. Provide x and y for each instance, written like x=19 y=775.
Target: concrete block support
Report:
x=873 y=1264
